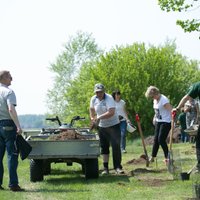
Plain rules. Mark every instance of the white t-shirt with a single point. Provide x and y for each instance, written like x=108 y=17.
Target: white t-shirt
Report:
x=102 y=107
x=161 y=114
x=120 y=105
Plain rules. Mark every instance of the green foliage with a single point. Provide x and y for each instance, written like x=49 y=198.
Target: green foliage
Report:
x=132 y=69
x=188 y=25
x=79 y=50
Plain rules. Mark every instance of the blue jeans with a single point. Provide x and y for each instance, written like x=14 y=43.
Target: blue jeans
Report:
x=184 y=136
x=123 y=127
x=7 y=142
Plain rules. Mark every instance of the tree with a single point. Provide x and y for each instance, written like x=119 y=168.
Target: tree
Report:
x=132 y=69
x=188 y=25
x=80 y=49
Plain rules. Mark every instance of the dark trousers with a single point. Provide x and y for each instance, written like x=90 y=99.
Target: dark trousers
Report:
x=198 y=146
x=161 y=132
x=111 y=135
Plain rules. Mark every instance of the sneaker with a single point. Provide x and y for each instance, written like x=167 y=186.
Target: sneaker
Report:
x=105 y=172
x=16 y=189
x=1 y=188
x=151 y=159
x=119 y=171
x=124 y=151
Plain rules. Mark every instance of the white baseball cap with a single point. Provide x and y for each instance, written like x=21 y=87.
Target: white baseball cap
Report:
x=99 y=87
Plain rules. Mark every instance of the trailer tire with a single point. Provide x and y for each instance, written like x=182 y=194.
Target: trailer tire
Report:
x=83 y=168
x=91 y=168
x=36 y=172
x=46 y=167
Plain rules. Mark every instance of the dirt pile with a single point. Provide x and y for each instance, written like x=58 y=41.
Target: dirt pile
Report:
x=70 y=134
x=141 y=160
x=149 y=140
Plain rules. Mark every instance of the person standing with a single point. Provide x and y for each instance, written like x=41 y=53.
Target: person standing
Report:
x=193 y=93
x=182 y=122
x=102 y=112
x=161 y=120
x=123 y=117
x=9 y=128
x=192 y=112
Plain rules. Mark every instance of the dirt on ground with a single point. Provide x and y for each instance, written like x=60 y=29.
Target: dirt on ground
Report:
x=140 y=160
x=176 y=134
x=149 y=140
x=154 y=182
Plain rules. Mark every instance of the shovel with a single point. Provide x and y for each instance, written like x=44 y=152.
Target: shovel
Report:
x=137 y=118
x=186 y=175
x=170 y=164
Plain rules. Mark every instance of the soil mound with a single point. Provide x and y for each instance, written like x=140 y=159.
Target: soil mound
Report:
x=70 y=134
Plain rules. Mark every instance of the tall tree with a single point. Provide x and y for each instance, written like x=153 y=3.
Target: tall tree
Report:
x=132 y=69
x=187 y=25
x=80 y=49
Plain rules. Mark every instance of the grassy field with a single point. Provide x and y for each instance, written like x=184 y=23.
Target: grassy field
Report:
x=138 y=182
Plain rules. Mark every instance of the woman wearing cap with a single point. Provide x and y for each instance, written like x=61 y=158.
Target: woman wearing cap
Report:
x=162 y=121
x=102 y=110
x=123 y=117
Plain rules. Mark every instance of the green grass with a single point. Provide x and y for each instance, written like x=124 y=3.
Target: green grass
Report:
x=139 y=182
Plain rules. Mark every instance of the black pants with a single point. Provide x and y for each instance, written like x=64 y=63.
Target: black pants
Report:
x=198 y=146
x=111 y=135
x=161 y=132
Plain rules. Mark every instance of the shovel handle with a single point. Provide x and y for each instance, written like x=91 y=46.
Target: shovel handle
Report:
x=173 y=114
x=137 y=118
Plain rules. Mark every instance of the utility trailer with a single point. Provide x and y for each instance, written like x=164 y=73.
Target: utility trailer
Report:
x=45 y=151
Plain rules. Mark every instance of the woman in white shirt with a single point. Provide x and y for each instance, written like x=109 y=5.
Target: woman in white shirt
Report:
x=123 y=117
x=162 y=121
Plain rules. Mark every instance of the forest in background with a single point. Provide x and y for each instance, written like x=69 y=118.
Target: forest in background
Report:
x=32 y=121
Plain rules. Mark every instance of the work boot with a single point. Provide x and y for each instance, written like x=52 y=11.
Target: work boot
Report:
x=17 y=188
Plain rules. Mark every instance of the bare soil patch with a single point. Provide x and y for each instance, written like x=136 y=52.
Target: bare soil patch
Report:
x=155 y=182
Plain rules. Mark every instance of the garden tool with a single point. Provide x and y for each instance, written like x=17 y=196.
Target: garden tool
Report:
x=170 y=163
x=186 y=175
x=137 y=118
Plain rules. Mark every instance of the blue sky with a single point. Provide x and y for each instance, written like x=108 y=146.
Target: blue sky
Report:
x=33 y=33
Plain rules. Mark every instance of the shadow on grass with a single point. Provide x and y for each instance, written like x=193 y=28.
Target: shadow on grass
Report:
x=54 y=190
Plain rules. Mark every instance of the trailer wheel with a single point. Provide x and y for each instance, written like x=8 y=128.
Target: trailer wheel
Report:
x=46 y=167
x=91 y=168
x=36 y=172
x=83 y=168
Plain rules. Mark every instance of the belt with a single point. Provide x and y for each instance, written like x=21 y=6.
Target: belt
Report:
x=6 y=122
